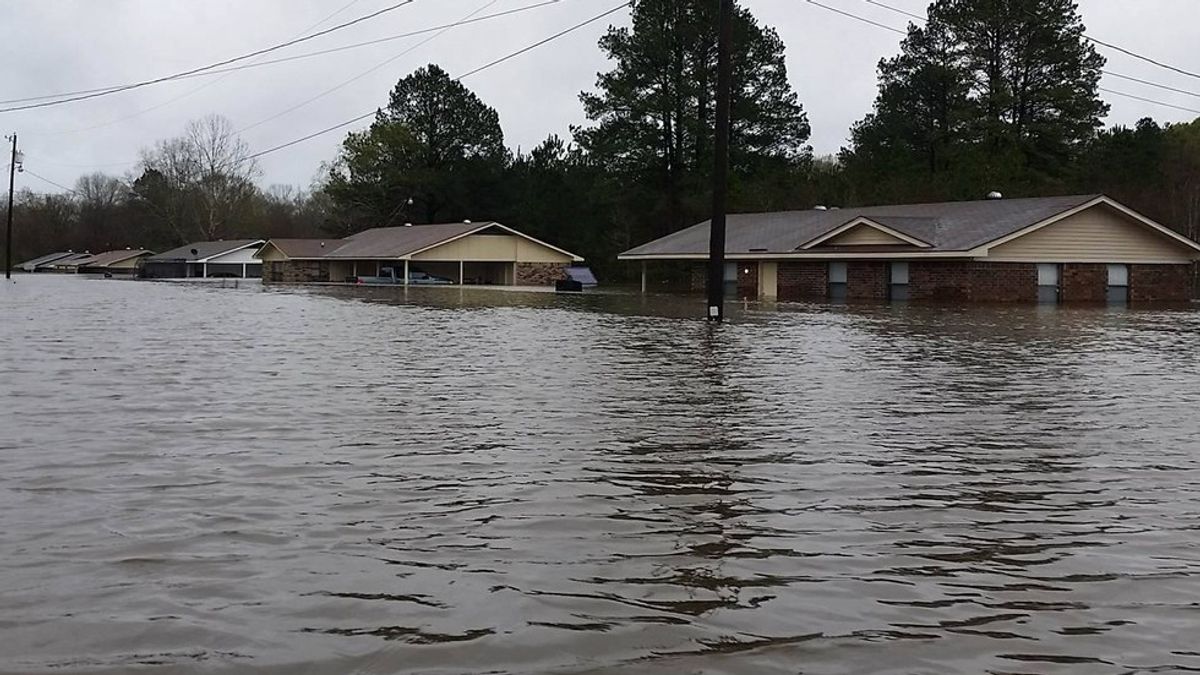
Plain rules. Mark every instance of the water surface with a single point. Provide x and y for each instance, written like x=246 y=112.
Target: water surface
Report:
x=206 y=479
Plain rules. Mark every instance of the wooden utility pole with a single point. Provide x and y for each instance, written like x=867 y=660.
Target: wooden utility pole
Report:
x=12 y=183
x=716 y=240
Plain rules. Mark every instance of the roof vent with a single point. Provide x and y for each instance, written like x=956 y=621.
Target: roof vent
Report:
x=820 y=208
x=408 y=224
x=467 y=222
x=995 y=195
x=322 y=244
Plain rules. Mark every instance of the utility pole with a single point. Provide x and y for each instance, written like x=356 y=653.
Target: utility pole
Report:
x=12 y=182
x=716 y=240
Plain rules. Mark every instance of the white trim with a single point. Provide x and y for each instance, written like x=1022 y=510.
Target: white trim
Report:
x=1102 y=199
x=1087 y=261
x=260 y=243
x=865 y=221
x=839 y=255
x=483 y=227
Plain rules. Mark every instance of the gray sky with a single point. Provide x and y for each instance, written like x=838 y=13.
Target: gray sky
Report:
x=60 y=45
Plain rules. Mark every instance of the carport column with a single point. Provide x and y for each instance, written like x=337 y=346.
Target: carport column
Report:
x=205 y=273
x=643 y=277
x=460 y=273
x=243 y=270
x=406 y=271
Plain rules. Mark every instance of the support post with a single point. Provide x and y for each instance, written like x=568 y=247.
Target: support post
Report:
x=12 y=182
x=204 y=271
x=244 y=271
x=643 y=277
x=406 y=272
x=460 y=273
x=716 y=240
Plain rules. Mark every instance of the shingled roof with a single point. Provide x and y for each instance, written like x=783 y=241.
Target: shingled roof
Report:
x=203 y=250
x=945 y=226
x=112 y=257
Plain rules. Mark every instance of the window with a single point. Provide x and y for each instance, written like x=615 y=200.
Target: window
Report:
x=1048 y=283
x=1118 y=284
x=898 y=281
x=837 y=281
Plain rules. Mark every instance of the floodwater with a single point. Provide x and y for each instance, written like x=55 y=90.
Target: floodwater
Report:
x=199 y=479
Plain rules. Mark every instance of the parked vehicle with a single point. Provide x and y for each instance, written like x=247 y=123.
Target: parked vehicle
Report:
x=578 y=278
x=395 y=275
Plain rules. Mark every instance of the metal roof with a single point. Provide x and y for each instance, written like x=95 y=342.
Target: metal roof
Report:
x=31 y=265
x=947 y=226
x=112 y=257
x=203 y=250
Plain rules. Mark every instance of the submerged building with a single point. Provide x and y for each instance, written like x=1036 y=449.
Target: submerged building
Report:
x=1087 y=248
x=206 y=259
x=486 y=253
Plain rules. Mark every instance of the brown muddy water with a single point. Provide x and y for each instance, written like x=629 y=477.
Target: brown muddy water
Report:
x=213 y=480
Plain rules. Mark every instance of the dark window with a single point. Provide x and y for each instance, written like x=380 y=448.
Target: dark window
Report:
x=898 y=281
x=837 y=281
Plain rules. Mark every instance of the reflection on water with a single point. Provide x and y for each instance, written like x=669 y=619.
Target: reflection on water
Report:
x=359 y=480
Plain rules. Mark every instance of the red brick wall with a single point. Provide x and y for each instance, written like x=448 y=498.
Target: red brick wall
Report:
x=295 y=271
x=1149 y=284
x=803 y=280
x=747 y=280
x=866 y=280
x=967 y=281
x=1084 y=283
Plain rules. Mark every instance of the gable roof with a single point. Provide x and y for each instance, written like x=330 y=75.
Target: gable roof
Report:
x=204 y=250
x=947 y=226
x=112 y=257
x=41 y=261
x=304 y=248
x=405 y=241
x=897 y=234
x=72 y=260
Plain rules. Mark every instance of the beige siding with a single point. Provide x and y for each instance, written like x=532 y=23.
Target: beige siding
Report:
x=127 y=264
x=768 y=280
x=493 y=248
x=269 y=253
x=1097 y=235
x=340 y=269
x=863 y=235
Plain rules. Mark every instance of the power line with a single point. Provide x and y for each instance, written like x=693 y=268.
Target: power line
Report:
x=459 y=78
x=189 y=92
x=1147 y=59
x=367 y=72
x=47 y=180
x=863 y=19
x=106 y=91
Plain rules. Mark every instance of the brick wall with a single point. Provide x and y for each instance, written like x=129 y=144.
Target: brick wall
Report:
x=1084 y=283
x=1150 y=284
x=747 y=280
x=295 y=271
x=540 y=274
x=967 y=281
x=866 y=280
x=803 y=280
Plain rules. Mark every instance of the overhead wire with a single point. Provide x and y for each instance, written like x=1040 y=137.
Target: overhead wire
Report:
x=1114 y=92
x=367 y=72
x=480 y=69
x=71 y=97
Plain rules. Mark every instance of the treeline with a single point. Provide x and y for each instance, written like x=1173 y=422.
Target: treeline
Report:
x=984 y=96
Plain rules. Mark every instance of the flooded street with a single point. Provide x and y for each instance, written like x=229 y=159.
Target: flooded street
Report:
x=207 y=479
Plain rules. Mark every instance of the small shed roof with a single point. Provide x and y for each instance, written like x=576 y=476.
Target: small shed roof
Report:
x=201 y=251
x=30 y=265
x=112 y=257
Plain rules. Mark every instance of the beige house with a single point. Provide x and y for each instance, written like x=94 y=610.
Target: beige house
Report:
x=486 y=253
x=1087 y=248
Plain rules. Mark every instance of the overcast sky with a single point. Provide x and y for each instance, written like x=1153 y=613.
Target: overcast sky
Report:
x=51 y=46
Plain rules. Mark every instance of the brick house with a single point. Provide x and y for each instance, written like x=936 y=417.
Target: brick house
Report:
x=485 y=253
x=1075 y=249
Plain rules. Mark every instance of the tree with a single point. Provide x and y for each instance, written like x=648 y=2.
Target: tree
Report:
x=436 y=143
x=653 y=116
x=202 y=183
x=101 y=200
x=989 y=94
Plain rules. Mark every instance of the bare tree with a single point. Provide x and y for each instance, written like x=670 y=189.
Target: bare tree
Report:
x=201 y=182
